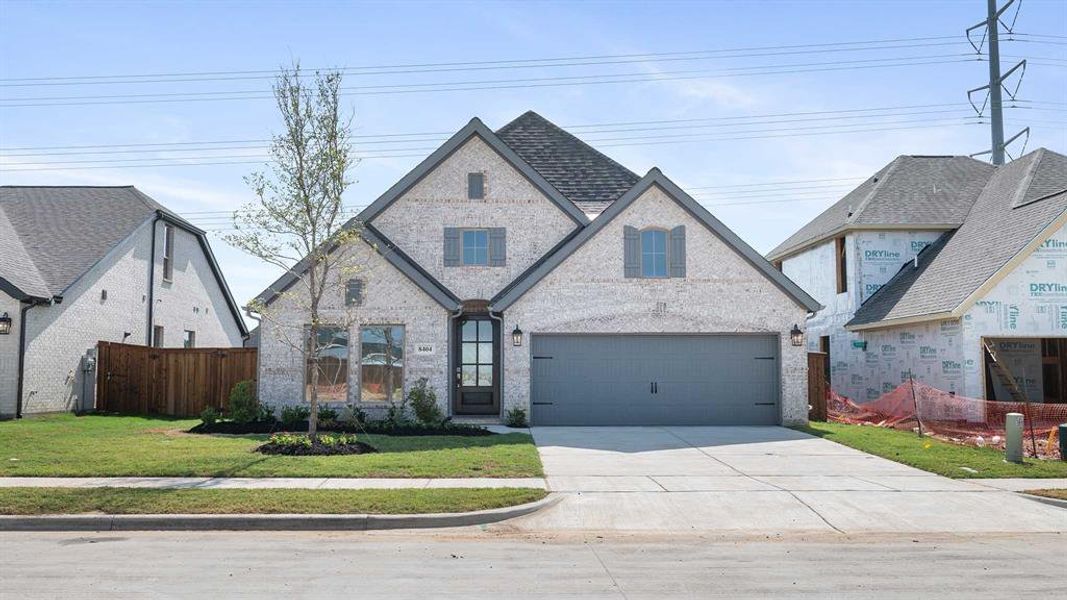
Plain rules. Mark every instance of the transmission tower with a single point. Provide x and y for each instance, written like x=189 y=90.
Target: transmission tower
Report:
x=995 y=89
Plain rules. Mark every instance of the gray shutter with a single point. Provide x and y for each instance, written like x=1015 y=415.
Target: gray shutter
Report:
x=631 y=252
x=451 y=247
x=498 y=247
x=354 y=292
x=677 y=252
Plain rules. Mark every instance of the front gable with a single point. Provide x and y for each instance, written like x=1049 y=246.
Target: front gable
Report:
x=526 y=220
x=713 y=253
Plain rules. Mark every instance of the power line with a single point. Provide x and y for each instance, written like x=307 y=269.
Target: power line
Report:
x=662 y=125
x=612 y=142
x=527 y=83
x=515 y=63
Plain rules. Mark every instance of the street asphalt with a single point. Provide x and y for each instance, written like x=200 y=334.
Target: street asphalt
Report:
x=474 y=563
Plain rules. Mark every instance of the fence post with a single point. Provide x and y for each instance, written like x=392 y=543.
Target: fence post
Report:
x=915 y=402
x=1013 y=437
x=1063 y=441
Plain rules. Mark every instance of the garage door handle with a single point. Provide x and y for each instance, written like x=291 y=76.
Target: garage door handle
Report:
x=764 y=403
x=542 y=358
x=764 y=358
x=542 y=403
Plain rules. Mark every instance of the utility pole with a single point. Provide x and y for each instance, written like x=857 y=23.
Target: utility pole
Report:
x=996 y=110
x=995 y=88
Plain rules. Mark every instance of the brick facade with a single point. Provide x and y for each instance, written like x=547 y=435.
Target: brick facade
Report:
x=60 y=336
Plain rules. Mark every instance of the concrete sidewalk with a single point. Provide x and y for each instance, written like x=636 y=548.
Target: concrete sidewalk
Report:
x=222 y=483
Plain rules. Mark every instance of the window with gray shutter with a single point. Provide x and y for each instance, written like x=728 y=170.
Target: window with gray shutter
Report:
x=631 y=252
x=354 y=292
x=677 y=252
x=476 y=186
x=451 y=247
x=498 y=246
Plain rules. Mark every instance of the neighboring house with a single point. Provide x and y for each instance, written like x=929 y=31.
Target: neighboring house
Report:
x=523 y=269
x=928 y=258
x=83 y=264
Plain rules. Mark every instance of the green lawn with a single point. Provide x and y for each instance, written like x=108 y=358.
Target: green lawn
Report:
x=1057 y=494
x=120 y=501
x=933 y=455
x=99 y=445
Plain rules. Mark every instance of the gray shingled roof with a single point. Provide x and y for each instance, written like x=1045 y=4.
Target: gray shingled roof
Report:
x=576 y=169
x=51 y=235
x=996 y=229
x=912 y=190
x=63 y=231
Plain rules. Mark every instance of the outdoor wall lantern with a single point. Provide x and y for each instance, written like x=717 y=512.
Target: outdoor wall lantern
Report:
x=796 y=336
x=5 y=324
x=516 y=336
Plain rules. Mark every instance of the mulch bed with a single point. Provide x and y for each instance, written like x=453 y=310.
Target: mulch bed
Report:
x=413 y=429
x=318 y=450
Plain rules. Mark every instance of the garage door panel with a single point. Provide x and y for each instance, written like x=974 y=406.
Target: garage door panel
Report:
x=700 y=380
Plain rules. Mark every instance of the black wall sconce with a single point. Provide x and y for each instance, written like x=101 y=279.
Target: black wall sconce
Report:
x=516 y=336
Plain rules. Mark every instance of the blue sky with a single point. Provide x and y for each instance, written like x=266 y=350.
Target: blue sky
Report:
x=729 y=129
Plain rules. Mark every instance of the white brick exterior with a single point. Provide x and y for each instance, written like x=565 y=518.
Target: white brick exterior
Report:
x=60 y=336
x=416 y=220
x=721 y=293
x=390 y=298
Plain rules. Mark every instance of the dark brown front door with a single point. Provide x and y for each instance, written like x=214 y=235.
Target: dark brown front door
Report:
x=477 y=376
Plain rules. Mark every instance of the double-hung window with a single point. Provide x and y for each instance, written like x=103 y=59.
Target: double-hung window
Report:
x=475 y=246
x=653 y=253
x=168 y=252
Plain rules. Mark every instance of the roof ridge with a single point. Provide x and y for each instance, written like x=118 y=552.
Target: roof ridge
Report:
x=569 y=134
x=587 y=144
x=879 y=182
x=1028 y=178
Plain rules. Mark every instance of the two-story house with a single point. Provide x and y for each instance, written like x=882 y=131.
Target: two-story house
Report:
x=929 y=258
x=522 y=268
x=80 y=265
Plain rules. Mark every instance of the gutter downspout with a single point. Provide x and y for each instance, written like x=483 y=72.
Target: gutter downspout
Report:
x=500 y=319
x=452 y=379
x=28 y=304
x=152 y=280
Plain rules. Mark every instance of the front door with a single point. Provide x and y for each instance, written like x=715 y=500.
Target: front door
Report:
x=477 y=375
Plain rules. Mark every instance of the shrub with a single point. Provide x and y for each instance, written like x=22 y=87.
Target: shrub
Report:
x=295 y=415
x=515 y=417
x=424 y=403
x=210 y=415
x=325 y=443
x=397 y=414
x=352 y=415
x=244 y=407
x=327 y=414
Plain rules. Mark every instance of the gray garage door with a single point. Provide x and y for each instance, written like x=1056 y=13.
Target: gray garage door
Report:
x=654 y=380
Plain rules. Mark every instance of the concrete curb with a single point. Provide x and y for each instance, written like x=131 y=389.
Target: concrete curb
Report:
x=286 y=522
x=1045 y=500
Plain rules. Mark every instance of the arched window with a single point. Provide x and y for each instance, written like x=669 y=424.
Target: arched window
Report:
x=654 y=253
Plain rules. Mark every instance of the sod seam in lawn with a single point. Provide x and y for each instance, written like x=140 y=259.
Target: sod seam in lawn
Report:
x=127 y=501
x=930 y=454
x=120 y=446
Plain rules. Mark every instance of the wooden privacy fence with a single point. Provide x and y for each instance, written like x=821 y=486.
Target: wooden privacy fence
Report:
x=818 y=386
x=180 y=382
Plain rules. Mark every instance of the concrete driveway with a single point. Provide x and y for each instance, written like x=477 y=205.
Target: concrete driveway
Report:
x=757 y=480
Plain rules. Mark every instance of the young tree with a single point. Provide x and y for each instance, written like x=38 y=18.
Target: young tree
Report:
x=297 y=223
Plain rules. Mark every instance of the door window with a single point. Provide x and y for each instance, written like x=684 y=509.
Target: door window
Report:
x=476 y=354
